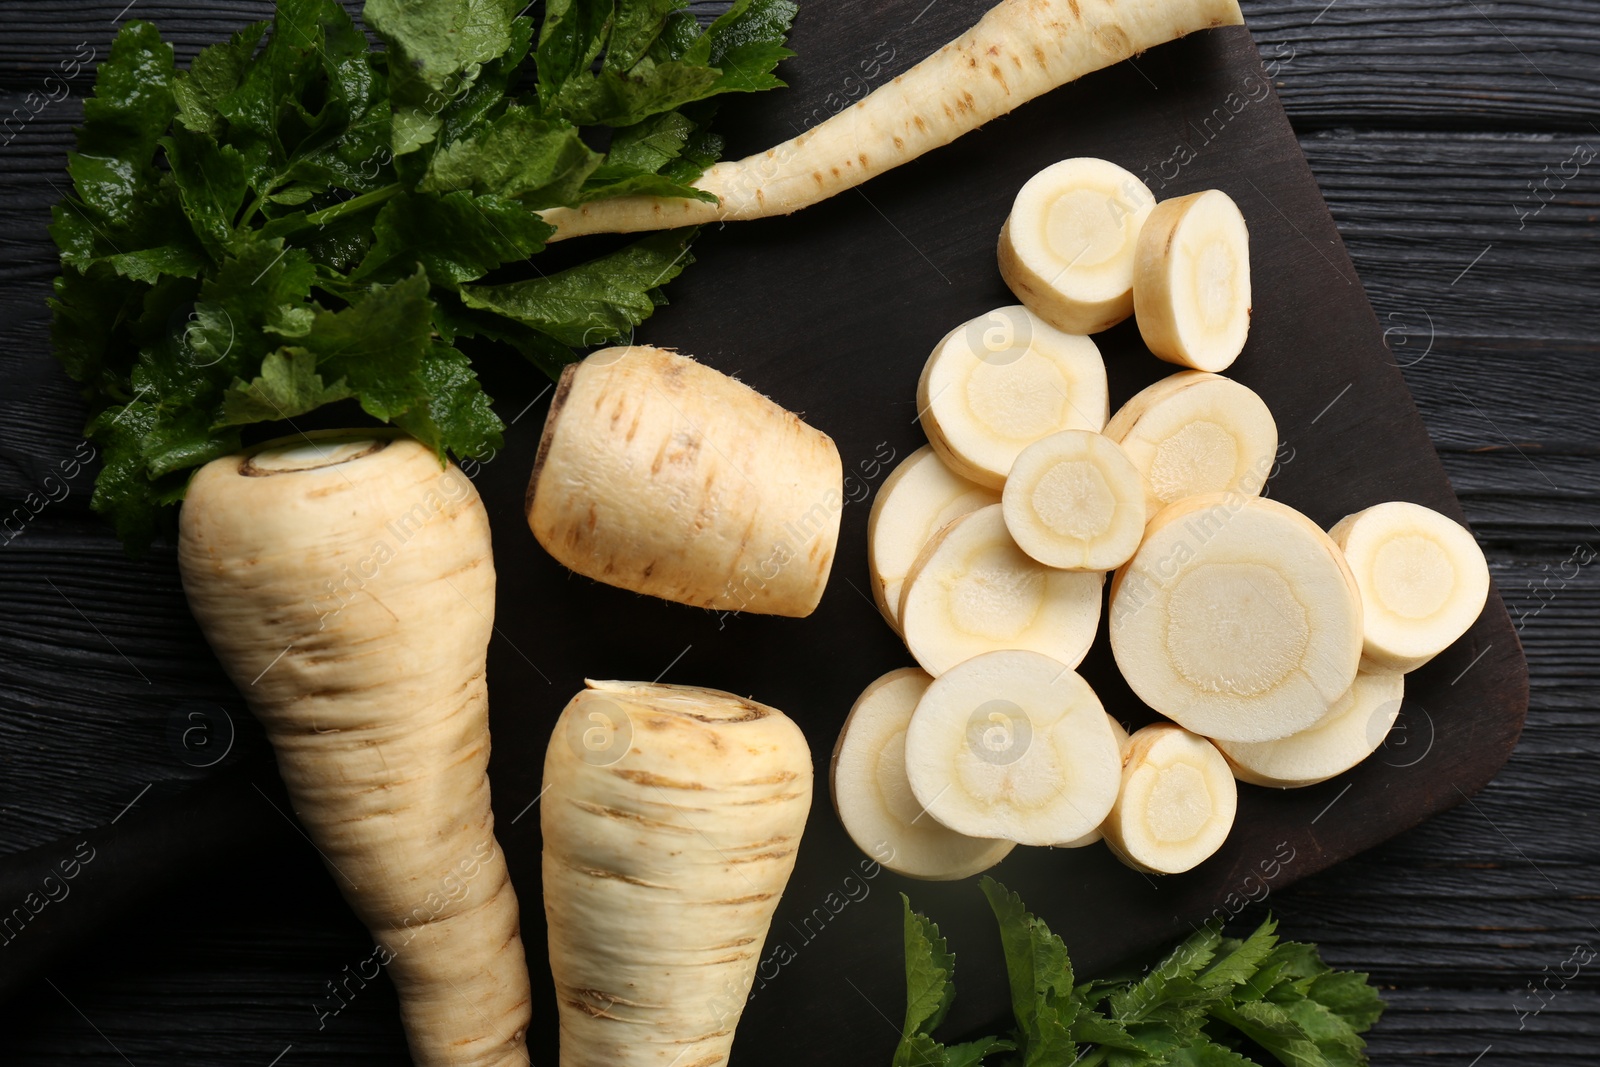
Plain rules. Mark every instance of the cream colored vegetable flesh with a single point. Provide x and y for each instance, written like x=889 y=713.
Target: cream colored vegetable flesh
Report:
x=1095 y=836
x=1352 y=731
x=972 y=590
x=1000 y=382
x=1019 y=50
x=1075 y=501
x=670 y=817
x=873 y=796
x=346 y=584
x=1013 y=745
x=915 y=501
x=1423 y=581
x=666 y=477
x=1237 y=618
x=1191 y=281
x=1176 y=804
x=1067 y=248
x=1194 y=433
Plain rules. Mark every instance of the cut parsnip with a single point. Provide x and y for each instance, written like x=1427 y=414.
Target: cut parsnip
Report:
x=664 y=476
x=1000 y=382
x=1067 y=248
x=1074 y=500
x=1094 y=835
x=1195 y=432
x=1423 y=581
x=1176 y=804
x=1015 y=745
x=873 y=796
x=914 y=503
x=1191 y=281
x=1237 y=618
x=972 y=590
x=1353 y=730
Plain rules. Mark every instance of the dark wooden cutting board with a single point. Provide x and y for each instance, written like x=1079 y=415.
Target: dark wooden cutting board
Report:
x=832 y=314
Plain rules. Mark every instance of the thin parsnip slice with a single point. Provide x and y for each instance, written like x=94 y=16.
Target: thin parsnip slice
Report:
x=1075 y=500
x=1013 y=745
x=972 y=590
x=914 y=503
x=1067 y=247
x=1176 y=803
x=1353 y=730
x=1423 y=581
x=1094 y=836
x=1191 y=281
x=873 y=796
x=1237 y=618
x=998 y=383
x=1194 y=432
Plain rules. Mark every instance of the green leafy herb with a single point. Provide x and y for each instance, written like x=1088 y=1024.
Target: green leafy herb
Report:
x=299 y=220
x=1212 y=1002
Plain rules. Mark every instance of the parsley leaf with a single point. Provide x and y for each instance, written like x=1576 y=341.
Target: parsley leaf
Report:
x=1200 y=1006
x=594 y=303
x=930 y=989
x=300 y=219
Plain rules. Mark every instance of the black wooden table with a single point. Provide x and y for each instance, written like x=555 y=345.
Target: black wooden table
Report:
x=1458 y=147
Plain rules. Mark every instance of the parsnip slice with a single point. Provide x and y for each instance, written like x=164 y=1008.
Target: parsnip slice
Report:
x=1094 y=836
x=1176 y=804
x=1074 y=500
x=1067 y=248
x=1237 y=618
x=1000 y=382
x=1013 y=744
x=1352 y=731
x=972 y=590
x=1191 y=281
x=1423 y=581
x=873 y=796
x=1195 y=432
x=919 y=497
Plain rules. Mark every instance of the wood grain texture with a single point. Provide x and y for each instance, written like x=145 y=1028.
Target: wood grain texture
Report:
x=1455 y=917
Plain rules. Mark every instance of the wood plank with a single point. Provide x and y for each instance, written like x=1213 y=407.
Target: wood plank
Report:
x=1524 y=63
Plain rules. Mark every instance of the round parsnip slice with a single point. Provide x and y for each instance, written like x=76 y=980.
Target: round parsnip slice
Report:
x=1095 y=835
x=919 y=497
x=1176 y=804
x=1352 y=731
x=1067 y=248
x=1423 y=581
x=1000 y=382
x=873 y=796
x=972 y=590
x=1015 y=745
x=1074 y=500
x=1191 y=281
x=1237 y=618
x=1195 y=432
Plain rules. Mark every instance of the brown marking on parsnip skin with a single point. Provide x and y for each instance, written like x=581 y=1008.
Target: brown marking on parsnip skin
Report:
x=589 y=1009
x=596 y=872
x=753 y=898
x=1077 y=14
x=775 y=798
x=604 y=812
x=660 y=782
x=771 y=779
x=759 y=857
x=899 y=144
x=557 y=402
x=862 y=156
x=919 y=123
x=998 y=75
